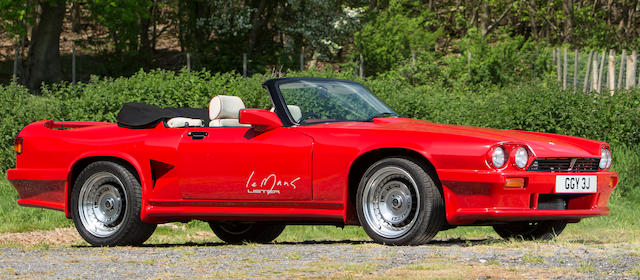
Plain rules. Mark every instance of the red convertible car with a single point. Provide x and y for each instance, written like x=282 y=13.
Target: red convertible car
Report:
x=328 y=152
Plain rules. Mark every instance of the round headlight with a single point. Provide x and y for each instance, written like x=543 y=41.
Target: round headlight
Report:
x=604 y=158
x=522 y=157
x=498 y=157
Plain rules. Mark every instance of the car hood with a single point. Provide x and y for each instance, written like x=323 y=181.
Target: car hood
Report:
x=542 y=144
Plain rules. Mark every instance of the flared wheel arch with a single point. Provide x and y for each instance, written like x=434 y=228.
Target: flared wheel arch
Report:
x=364 y=161
x=82 y=163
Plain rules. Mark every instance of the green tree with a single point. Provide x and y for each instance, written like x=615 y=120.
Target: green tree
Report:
x=123 y=20
x=43 y=60
x=394 y=34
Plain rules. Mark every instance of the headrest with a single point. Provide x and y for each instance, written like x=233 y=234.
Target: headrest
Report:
x=295 y=111
x=225 y=107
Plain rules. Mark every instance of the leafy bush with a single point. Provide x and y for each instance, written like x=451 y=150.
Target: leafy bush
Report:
x=526 y=106
x=100 y=100
x=508 y=60
x=537 y=106
x=17 y=109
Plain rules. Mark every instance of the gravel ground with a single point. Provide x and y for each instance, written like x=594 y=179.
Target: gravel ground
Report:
x=468 y=259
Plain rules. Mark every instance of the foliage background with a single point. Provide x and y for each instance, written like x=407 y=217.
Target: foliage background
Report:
x=540 y=106
x=468 y=62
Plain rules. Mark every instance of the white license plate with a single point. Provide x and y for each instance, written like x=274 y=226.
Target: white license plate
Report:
x=576 y=184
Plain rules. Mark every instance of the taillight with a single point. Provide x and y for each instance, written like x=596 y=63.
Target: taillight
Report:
x=17 y=145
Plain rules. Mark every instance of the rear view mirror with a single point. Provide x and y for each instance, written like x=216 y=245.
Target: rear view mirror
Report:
x=261 y=120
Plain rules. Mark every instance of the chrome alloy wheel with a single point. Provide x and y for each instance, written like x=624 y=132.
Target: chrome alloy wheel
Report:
x=390 y=202
x=102 y=204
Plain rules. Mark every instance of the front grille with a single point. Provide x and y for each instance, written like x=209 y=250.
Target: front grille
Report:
x=565 y=164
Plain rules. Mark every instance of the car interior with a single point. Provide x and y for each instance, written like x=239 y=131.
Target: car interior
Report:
x=224 y=111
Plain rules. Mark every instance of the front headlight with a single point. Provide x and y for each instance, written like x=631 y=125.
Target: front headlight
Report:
x=605 y=158
x=498 y=157
x=522 y=157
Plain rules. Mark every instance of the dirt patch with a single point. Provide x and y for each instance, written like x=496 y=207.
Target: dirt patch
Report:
x=58 y=236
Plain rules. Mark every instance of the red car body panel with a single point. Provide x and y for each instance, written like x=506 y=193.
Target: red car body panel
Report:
x=299 y=174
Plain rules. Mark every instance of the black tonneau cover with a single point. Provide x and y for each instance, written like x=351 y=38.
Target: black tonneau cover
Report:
x=139 y=115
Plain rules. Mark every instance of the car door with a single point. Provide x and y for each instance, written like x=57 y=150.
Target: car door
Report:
x=239 y=164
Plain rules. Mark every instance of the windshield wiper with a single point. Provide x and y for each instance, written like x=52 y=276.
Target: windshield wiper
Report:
x=381 y=115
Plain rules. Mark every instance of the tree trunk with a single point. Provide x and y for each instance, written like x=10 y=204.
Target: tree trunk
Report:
x=484 y=18
x=257 y=23
x=145 y=47
x=609 y=11
x=44 y=52
x=532 y=19
x=630 y=21
x=497 y=22
x=76 y=17
x=567 y=8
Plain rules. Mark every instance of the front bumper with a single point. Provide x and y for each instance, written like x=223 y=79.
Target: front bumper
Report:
x=480 y=197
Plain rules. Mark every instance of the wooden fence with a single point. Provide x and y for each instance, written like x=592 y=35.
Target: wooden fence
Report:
x=589 y=71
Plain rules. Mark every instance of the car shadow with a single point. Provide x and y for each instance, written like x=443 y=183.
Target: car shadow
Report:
x=466 y=242
x=438 y=242
x=216 y=244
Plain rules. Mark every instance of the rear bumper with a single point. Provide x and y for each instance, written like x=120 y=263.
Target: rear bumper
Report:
x=480 y=197
x=47 y=191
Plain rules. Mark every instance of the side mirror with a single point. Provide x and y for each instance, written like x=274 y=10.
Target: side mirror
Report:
x=261 y=120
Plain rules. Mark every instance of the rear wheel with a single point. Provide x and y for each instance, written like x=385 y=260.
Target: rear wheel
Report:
x=541 y=230
x=239 y=232
x=105 y=206
x=398 y=203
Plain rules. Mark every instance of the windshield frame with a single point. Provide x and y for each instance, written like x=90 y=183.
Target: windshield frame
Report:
x=273 y=87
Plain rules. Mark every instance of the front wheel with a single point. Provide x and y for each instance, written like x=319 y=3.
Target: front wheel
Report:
x=398 y=203
x=105 y=206
x=542 y=230
x=239 y=232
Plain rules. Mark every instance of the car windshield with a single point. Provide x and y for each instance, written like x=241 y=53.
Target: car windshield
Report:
x=315 y=101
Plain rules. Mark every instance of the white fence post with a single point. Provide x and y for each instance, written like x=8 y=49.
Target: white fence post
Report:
x=623 y=59
x=600 y=72
x=565 y=70
x=587 y=72
x=611 y=72
x=245 y=61
x=631 y=71
x=559 y=68
x=575 y=70
x=594 y=72
x=188 y=61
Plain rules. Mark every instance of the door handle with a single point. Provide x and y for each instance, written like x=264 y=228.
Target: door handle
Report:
x=198 y=135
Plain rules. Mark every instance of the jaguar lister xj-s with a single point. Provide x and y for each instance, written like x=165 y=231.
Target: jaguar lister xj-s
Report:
x=328 y=152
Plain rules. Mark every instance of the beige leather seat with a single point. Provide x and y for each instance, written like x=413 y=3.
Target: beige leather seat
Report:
x=184 y=122
x=224 y=111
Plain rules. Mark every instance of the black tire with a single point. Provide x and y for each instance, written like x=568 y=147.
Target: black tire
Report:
x=238 y=232
x=404 y=190
x=109 y=182
x=542 y=230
